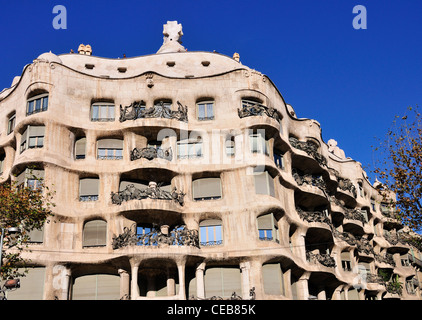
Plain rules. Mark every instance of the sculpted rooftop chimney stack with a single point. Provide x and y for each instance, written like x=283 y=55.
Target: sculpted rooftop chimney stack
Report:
x=172 y=32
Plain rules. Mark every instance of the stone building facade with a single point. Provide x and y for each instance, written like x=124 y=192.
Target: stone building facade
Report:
x=185 y=175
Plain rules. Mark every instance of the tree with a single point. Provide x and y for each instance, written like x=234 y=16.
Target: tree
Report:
x=400 y=168
x=28 y=209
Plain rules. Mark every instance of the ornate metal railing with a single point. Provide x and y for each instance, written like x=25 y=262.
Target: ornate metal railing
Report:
x=309 y=179
x=324 y=259
x=137 y=110
x=387 y=258
x=354 y=214
x=315 y=216
x=311 y=148
x=178 y=236
x=258 y=110
x=347 y=185
x=153 y=191
x=150 y=153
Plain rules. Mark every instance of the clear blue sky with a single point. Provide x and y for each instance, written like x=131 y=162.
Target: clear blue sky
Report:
x=352 y=81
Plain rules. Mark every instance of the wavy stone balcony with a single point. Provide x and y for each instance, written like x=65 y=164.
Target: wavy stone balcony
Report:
x=153 y=191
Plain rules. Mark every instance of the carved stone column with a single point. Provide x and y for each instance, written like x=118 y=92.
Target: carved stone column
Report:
x=244 y=267
x=134 y=288
x=200 y=283
x=302 y=286
x=124 y=284
x=181 y=266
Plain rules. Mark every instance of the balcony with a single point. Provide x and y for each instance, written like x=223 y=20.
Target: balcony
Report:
x=324 y=259
x=315 y=216
x=157 y=236
x=152 y=191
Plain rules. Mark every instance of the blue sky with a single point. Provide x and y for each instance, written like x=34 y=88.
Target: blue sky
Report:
x=352 y=81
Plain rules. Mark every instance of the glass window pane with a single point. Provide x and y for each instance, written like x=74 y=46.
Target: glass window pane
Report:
x=38 y=104
x=218 y=233
x=210 y=113
x=45 y=103
x=198 y=147
x=103 y=112
x=203 y=234
x=119 y=153
x=211 y=233
x=32 y=141
x=95 y=113
x=40 y=141
x=101 y=153
x=30 y=107
x=201 y=111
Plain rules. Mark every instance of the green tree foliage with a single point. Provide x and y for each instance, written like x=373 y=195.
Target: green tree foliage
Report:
x=27 y=209
x=399 y=167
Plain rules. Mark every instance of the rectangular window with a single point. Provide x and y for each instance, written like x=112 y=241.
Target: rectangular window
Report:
x=102 y=112
x=189 y=150
x=33 y=137
x=205 y=111
x=110 y=149
x=268 y=228
x=210 y=233
x=278 y=159
x=37 y=104
x=11 y=123
x=264 y=183
x=206 y=189
x=258 y=144
x=88 y=189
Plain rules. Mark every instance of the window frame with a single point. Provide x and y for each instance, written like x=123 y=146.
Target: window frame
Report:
x=188 y=146
x=42 y=106
x=262 y=144
x=206 y=110
x=211 y=234
x=11 y=123
x=100 y=117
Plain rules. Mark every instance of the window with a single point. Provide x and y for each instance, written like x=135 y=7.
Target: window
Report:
x=31 y=285
x=11 y=123
x=258 y=144
x=80 y=146
x=36 y=235
x=31 y=178
x=278 y=159
x=110 y=149
x=268 y=228
x=88 y=189
x=230 y=147
x=37 y=104
x=33 y=137
x=95 y=234
x=102 y=112
x=189 y=149
x=222 y=282
x=264 y=183
x=206 y=189
x=96 y=287
x=272 y=275
x=205 y=110
x=210 y=232
x=345 y=261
